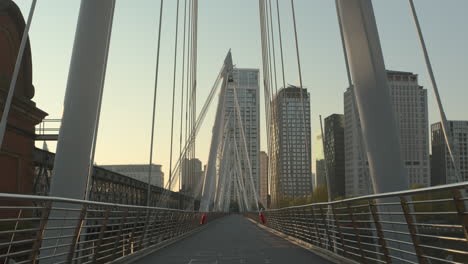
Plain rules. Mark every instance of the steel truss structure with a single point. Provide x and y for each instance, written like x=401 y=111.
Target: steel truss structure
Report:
x=108 y=186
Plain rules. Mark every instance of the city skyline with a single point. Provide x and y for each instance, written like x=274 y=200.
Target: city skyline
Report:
x=129 y=82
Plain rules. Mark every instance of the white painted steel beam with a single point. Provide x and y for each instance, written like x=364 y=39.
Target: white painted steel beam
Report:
x=379 y=127
x=210 y=173
x=81 y=108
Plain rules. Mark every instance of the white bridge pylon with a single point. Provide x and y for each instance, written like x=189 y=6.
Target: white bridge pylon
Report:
x=228 y=176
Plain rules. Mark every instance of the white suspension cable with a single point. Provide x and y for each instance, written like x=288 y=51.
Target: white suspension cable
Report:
x=154 y=105
x=173 y=93
x=297 y=44
x=281 y=43
x=242 y=133
x=443 y=117
x=345 y=52
x=304 y=125
x=182 y=91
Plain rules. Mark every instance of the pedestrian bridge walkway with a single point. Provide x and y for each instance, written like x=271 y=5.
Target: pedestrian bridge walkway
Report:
x=233 y=239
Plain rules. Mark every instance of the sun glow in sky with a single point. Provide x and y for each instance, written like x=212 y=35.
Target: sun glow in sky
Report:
x=124 y=132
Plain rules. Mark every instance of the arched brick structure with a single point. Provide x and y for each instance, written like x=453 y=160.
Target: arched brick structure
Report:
x=16 y=170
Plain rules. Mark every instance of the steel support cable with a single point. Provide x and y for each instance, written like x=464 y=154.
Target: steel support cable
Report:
x=191 y=102
x=306 y=146
x=267 y=77
x=284 y=83
x=188 y=83
x=194 y=113
x=297 y=44
x=221 y=172
x=242 y=132
x=271 y=56
x=194 y=132
x=281 y=43
x=240 y=200
x=274 y=124
x=264 y=59
x=16 y=70
x=239 y=173
x=273 y=51
x=227 y=195
x=182 y=91
x=170 y=184
x=154 y=103
x=96 y=129
x=173 y=93
x=443 y=117
x=265 y=70
x=188 y=87
x=343 y=44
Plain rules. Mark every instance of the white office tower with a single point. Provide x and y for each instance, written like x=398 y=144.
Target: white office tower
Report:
x=246 y=83
x=290 y=155
x=442 y=169
x=409 y=101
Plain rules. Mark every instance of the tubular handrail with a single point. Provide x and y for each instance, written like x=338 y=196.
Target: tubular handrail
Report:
x=413 y=226
x=24 y=197
x=446 y=187
x=63 y=230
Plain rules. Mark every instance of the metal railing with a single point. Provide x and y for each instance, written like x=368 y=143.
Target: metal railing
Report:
x=427 y=225
x=58 y=230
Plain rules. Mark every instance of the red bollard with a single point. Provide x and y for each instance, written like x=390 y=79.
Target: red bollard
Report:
x=262 y=218
x=203 y=219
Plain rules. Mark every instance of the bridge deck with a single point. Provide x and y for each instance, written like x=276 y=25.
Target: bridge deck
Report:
x=233 y=239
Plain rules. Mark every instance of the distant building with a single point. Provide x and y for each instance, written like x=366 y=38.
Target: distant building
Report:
x=264 y=178
x=320 y=173
x=409 y=101
x=334 y=154
x=291 y=145
x=192 y=177
x=247 y=88
x=139 y=172
x=442 y=169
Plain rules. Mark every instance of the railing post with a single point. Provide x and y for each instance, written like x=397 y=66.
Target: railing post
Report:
x=461 y=210
x=337 y=222
x=307 y=222
x=317 y=232
x=324 y=220
x=292 y=221
x=145 y=228
x=155 y=226
x=101 y=235
x=119 y=234
x=40 y=234
x=76 y=234
x=135 y=225
x=356 y=231
x=380 y=234
x=412 y=230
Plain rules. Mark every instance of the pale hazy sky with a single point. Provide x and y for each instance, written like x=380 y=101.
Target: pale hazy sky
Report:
x=124 y=133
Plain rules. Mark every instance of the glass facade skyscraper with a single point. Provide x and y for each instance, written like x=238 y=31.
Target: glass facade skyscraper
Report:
x=291 y=145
